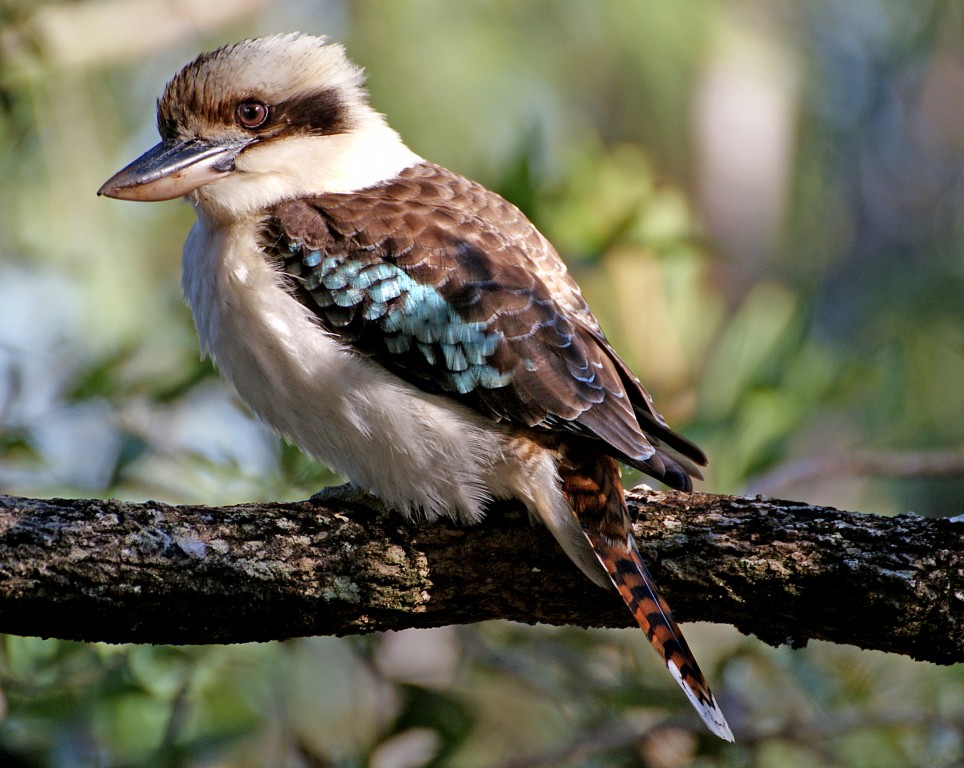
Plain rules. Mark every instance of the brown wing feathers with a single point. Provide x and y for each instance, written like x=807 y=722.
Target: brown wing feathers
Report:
x=546 y=364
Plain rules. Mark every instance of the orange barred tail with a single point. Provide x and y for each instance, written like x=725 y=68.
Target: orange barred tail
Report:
x=631 y=577
x=591 y=485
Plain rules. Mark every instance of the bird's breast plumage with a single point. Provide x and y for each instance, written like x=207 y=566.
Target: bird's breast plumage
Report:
x=423 y=454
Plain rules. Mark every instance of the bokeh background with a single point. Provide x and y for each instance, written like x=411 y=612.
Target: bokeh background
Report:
x=764 y=202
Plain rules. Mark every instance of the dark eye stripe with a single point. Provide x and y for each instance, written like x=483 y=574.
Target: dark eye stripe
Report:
x=319 y=113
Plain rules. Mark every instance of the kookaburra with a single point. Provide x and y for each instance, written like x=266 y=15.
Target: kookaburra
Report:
x=400 y=323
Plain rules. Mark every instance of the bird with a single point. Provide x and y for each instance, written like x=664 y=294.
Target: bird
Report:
x=404 y=325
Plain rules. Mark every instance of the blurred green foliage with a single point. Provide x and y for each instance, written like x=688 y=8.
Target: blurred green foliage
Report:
x=764 y=204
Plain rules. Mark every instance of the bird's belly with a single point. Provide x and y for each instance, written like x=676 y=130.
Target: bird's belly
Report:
x=418 y=452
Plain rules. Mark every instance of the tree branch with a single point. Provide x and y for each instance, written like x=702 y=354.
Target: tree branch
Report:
x=782 y=570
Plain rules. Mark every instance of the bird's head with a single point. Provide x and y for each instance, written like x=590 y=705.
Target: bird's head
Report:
x=261 y=121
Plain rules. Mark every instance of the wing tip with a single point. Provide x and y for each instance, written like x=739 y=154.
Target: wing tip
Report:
x=673 y=470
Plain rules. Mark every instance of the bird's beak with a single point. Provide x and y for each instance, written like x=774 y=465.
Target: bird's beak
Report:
x=174 y=169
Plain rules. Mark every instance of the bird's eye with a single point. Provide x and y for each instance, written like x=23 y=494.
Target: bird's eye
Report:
x=252 y=113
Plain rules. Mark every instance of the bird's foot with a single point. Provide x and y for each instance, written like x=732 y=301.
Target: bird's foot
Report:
x=349 y=494
x=640 y=488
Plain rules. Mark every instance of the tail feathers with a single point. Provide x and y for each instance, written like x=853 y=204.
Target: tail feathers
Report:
x=590 y=485
x=629 y=574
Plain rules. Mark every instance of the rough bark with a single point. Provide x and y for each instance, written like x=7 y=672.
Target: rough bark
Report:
x=782 y=570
